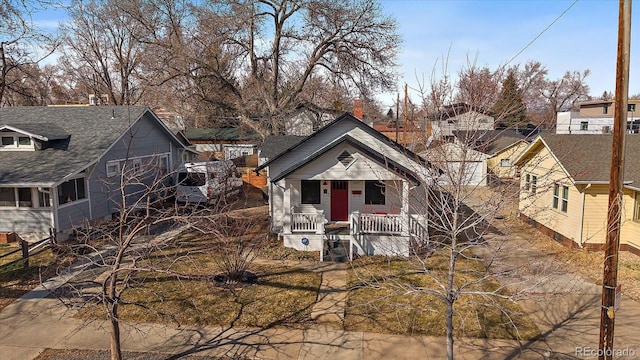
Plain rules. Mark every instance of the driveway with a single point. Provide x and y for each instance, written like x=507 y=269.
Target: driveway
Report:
x=563 y=302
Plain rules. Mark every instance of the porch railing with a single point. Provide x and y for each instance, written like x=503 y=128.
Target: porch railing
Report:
x=307 y=222
x=380 y=224
x=418 y=230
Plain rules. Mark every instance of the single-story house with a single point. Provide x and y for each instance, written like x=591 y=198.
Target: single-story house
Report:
x=564 y=186
x=230 y=142
x=346 y=184
x=60 y=165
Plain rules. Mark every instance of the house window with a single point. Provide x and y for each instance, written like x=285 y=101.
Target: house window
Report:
x=24 y=197
x=310 y=191
x=44 y=199
x=7 y=197
x=71 y=190
x=7 y=140
x=631 y=107
x=113 y=168
x=505 y=162
x=136 y=165
x=163 y=164
x=24 y=141
x=527 y=182
x=560 y=201
x=374 y=192
x=584 y=125
x=534 y=184
x=605 y=109
x=20 y=197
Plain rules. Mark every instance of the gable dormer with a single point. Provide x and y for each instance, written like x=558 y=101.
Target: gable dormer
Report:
x=30 y=137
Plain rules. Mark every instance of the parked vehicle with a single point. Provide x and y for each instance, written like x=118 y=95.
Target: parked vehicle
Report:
x=207 y=181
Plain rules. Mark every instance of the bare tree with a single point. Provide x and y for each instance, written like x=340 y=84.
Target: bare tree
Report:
x=19 y=36
x=127 y=250
x=263 y=56
x=102 y=53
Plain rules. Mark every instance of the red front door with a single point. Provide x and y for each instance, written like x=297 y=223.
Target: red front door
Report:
x=339 y=201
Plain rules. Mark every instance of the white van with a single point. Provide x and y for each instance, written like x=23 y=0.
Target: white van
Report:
x=202 y=182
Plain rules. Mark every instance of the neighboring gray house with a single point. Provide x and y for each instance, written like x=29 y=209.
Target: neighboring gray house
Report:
x=232 y=141
x=306 y=119
x=459 y=117
x=60 y=166
x=347 y=186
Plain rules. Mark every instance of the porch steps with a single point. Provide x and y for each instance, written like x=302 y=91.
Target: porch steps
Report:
x=336 y=249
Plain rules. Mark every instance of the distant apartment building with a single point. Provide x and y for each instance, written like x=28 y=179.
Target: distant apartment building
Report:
x=596 y=117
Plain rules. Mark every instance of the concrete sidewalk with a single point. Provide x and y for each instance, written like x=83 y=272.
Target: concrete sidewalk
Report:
x=36 y=322
x=30 y=325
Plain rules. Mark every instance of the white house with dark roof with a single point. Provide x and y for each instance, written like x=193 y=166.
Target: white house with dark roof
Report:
x=60 y=166
x=347 y=186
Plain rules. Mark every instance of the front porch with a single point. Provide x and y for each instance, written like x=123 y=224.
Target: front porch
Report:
x=364 y=234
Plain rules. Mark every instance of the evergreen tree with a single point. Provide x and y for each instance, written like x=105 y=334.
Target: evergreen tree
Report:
x=510 y=109
x=390 y=113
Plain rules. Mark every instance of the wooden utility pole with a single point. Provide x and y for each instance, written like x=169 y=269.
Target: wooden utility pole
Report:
x=610 y=273
x=404 y=113
x=397 y=114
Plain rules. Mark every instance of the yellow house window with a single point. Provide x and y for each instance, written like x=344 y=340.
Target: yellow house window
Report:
x=560 y=200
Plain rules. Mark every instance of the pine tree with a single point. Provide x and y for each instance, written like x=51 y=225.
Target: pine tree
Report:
x=510 y=109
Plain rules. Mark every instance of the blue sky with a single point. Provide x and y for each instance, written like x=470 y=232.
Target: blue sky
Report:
x=492 y=32
x=585 y=37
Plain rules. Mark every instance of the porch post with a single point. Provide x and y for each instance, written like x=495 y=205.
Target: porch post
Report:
x=286 y=204
x=404 y=210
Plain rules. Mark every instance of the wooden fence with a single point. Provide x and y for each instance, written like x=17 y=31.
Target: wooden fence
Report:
x=28 y=250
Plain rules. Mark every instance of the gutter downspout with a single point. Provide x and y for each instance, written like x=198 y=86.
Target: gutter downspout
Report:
x=581 y=229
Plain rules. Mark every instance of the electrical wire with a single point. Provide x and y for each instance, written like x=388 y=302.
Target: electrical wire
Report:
x=542 y=32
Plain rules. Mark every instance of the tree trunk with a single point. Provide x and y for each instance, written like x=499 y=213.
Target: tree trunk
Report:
x=116 y=351
x=449 y=324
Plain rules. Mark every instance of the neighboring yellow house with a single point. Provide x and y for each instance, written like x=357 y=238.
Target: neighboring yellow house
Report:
x=564 y=189
x=500 y=146
x=500 y=162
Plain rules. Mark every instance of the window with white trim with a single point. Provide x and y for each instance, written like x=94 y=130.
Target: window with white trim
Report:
x=534 y=184
x=374 y=192
x=310 y=191
x=16 y=197
x=13 y=140
x=113 y=168
x=505 y=162
x=560 y=197
x=70 y=191
x=636 y=208
x=136 y=166
x=527 y=182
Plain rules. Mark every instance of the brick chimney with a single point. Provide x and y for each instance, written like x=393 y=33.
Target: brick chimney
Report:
x=358 y=109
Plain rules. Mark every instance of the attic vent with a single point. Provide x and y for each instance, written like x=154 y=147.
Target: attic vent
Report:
x=345 y=158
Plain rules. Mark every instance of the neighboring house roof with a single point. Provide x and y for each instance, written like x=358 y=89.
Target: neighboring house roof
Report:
x=222 y=134
x=275 y=144
x=492 y=142
x=80 y=134
x=587 y=158
x=348 y=117
x=41 y=131
x=454 y=152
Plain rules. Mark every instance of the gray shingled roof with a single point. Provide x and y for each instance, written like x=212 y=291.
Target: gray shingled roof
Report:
x=587 y=157
x=274 y=145
x=92 y=130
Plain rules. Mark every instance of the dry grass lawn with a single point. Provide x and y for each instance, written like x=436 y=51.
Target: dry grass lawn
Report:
x=380 y=302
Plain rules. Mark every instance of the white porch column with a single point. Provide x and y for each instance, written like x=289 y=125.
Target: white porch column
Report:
x=286 y=205
x=404 y=210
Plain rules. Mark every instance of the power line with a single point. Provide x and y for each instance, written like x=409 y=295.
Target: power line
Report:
x=542 y=32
